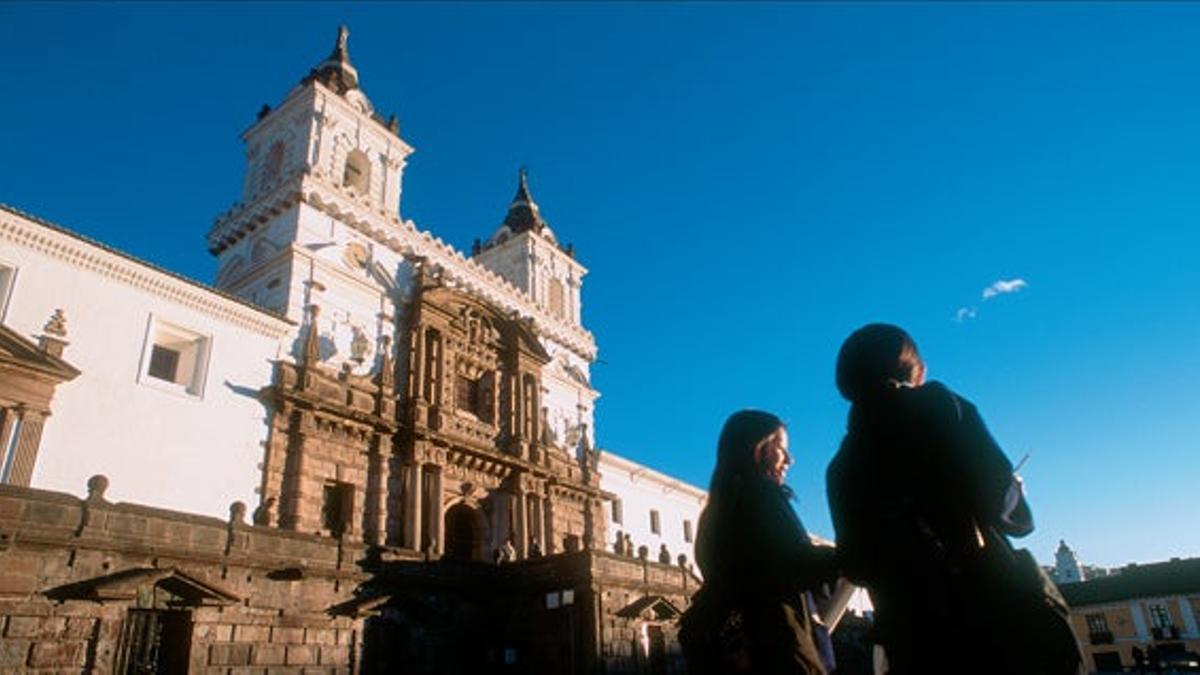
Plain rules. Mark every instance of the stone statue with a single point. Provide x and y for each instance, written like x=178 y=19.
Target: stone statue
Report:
x=265 y=513
x=664 y=556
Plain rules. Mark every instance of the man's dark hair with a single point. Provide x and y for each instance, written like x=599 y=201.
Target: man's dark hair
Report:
x=874 y=356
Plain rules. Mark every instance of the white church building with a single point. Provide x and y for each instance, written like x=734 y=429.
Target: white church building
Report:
x=177 y=397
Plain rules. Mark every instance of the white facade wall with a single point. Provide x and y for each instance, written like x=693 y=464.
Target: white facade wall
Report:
x=640 y=490
x=360 y=285
x=158 y=443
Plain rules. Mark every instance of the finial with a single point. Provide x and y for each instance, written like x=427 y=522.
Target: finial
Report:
x=264 y=110
x=52 y=340
x=340 y=51
x=96 y=486
x=523 y=196
x=312 y=347
x=237 y=513
x=57 y=325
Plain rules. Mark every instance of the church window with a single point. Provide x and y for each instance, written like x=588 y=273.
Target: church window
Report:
x=687 y=531
x=466 y=394
x=175 y=358
x=337 y=505
x=263 y=250
x=230 y=271
x=358 y=171
x=273 y=166
x=655 y=525
x=556 y=298
x=8 y=277
x=618 y=512
x=432 y=366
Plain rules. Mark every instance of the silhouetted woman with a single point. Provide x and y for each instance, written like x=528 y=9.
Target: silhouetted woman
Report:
x=757 y=562
x=921 y=499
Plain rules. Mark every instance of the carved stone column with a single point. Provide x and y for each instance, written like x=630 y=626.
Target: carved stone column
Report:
x=292 y=508
x=25 y=448
x=548 y=543
x=419 y=372
x=589 y=523
x=413 y=489
x=520 y=536
x=8 y=420
x=377 y=482
x=437 y=518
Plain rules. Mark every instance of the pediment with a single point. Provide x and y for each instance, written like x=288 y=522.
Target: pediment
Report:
x=650 y=607
x=465 y=311
x=125 y=585
x=21 y=353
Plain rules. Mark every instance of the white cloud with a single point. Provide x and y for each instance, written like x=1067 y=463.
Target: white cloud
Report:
x=964 y=314
x=1003 y=286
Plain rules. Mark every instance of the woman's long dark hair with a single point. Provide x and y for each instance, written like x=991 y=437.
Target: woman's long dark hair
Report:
x=735 y=448
x=736 y=470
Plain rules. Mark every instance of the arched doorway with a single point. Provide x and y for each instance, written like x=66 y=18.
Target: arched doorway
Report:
x=466 y=534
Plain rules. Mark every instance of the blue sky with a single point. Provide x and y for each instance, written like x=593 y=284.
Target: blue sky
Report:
x=748 y=183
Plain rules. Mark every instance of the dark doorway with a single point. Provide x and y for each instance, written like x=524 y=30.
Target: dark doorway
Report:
x=154 y=641
x=658 y=649
x=1108 y=661
x=464 y=534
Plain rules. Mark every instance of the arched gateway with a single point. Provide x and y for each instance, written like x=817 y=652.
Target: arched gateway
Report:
x=466 y=534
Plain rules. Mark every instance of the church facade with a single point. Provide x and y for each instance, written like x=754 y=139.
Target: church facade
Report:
x=380 y=416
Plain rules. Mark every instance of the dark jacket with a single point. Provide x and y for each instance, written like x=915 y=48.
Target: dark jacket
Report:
x=916 y=487
x=757 y=559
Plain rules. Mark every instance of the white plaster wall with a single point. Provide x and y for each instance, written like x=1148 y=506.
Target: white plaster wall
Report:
x=158 y=447
x=370 y=298
x=641 y=489
x=509 y=260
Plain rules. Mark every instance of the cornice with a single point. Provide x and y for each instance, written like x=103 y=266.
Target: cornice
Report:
x=57 y=242
x=244 y=219
x=638 y=472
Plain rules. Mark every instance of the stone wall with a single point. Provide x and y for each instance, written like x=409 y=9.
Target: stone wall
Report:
x=76 y=576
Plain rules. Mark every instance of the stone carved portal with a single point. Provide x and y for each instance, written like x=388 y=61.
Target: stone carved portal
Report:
x=466 y=534
x=472 y=416
x=448 y=458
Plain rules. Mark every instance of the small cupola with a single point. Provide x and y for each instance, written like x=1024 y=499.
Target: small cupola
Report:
x=523 y=215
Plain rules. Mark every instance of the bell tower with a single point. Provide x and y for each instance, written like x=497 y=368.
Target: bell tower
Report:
x=525 y=252
x=325 y=141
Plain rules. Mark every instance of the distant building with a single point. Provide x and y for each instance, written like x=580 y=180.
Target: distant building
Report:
x=1152 y=609
x=1066 y=566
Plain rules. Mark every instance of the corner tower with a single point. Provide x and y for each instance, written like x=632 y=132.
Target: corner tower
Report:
x=525 y=252
x=320 y=165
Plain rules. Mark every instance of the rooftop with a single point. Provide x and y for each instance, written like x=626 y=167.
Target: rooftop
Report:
x=1174 y=577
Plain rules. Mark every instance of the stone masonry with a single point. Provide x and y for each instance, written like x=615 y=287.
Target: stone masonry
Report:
x=77 y=577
